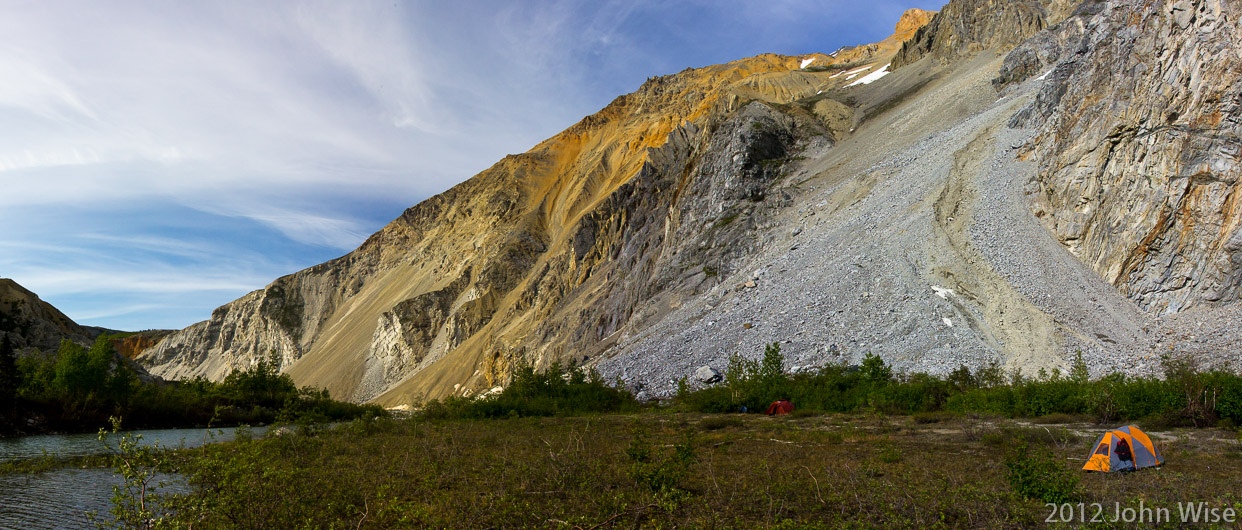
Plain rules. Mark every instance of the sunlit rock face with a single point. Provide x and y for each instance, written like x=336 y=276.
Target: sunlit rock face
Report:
x=1138 y=145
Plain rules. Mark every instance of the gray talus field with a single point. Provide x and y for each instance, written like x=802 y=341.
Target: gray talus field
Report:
x=910 y=240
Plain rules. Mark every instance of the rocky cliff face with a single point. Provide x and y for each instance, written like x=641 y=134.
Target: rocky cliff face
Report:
x=1140 y=127
x=965 y=27
x=132 y=346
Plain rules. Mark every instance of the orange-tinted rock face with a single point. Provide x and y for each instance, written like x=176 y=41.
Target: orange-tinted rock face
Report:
x=133 y=346
x=964 y=27
x=911 y=21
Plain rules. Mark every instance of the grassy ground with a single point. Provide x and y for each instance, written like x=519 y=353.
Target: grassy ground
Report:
x=663 y=470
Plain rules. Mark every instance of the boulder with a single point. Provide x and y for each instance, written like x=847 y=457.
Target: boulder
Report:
x=707 y=375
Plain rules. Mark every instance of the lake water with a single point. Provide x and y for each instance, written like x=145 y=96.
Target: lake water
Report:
x=62 y=498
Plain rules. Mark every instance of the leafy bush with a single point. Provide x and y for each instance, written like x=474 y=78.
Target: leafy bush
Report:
x=557 y=391
x=661 y=473
x=137 y=501
x=1036 y=474
x=1229 y=399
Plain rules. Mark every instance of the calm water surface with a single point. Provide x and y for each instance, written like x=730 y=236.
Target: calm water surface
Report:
x=62 y=498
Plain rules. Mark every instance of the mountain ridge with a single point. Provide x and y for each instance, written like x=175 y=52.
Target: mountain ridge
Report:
x=659 y=234
x=558 y=183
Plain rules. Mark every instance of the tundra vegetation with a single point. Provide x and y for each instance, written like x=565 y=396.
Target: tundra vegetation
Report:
x=867 y=447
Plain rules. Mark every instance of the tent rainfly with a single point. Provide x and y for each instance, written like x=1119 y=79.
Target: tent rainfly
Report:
x=781 y=406
x=1136 y=451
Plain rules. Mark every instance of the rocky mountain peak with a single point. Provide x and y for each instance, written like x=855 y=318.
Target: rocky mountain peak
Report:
x=911 y=20
x=969 y=26
x=553 y=253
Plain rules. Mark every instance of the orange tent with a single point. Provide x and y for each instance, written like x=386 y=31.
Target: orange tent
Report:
x=783 y=406
x=1104 y=456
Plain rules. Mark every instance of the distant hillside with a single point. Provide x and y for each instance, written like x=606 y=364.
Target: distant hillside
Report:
x=33 y=323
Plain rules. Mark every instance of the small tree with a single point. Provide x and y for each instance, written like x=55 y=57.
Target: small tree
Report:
x=991 y=375
x=135 y=503
x=962 y=379
x=9 y=381
x=875 y=370
x=738 y=377
x=1182 y=373
x=1078 y=371
x=78 y=373
x=756 y=383
x=773 y=382
x=261 y=383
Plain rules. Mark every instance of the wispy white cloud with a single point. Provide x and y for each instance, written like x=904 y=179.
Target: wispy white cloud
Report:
x=369 y=41
x=108 y=280
x=29 y=87
x=312 y=229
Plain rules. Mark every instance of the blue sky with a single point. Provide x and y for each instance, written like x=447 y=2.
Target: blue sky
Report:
x=159 y=159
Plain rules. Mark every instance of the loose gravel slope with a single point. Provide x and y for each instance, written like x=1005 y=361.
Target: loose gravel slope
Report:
x=913 y=240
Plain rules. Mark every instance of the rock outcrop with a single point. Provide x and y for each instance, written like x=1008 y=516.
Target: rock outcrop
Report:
x=1140 y=130
x=910 y=22
x=969 y=26
x=133 y=345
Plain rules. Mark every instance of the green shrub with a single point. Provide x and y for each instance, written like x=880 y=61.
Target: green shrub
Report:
x=657 y=471
x=557 y=391
x=889 y=454
x=712 y=400
x=1036 y=474
x=1229 y=398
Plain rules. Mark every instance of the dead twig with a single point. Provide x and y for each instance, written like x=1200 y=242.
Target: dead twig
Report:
x=817 y=495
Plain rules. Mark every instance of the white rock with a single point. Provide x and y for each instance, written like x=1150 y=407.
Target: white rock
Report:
x=707 y=375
